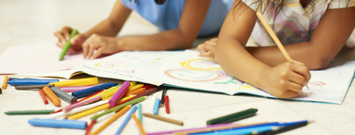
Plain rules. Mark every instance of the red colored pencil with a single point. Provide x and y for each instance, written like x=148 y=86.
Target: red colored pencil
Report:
x=43 y=96
x=166 y=103
x=88 y=128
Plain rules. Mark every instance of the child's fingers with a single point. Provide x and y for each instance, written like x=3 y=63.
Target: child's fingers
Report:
x=302 y=70
x=288 y=94
x=66 y=31
x=97 y=53
x=60 y=36
x=296 y=87
x=206 y=54
x=297 y=78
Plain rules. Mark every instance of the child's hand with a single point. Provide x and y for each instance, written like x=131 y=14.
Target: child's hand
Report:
x=76 y=42
x=207 y=48
x=286 y=79
x=97 y=45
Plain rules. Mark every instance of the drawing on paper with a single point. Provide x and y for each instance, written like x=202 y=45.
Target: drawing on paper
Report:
x=195 y=75
x=316 y=87
x=201 y=64
x=232 y=81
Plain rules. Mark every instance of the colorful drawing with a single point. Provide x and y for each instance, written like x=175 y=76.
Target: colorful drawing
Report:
x=314 y=88
x=195 y=75
x=227 y=82
x=201 y=64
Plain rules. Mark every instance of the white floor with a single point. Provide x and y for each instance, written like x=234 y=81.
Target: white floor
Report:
x=24 y=22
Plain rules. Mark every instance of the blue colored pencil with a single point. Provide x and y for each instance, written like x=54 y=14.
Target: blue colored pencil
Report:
x=156 y=106
x=133 y=109
x=140 y=112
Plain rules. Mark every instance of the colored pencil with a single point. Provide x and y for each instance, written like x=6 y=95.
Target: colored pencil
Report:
x=233 y=117
x=164 y=119
x=167 y=107
x=89 y=127
x=32 y=87
x=112 y=119
x=133 y=109
x=43 y=96
x=162 y=96
x=4 y=85
x=156 y=106
x=28 y=112
x=140 y=112
x=274 y=37
x=134 y=101
x=119 y=94
x=139 y=124
x=51 y=96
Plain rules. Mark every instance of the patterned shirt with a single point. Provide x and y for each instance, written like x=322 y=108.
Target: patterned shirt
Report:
x=294 y=24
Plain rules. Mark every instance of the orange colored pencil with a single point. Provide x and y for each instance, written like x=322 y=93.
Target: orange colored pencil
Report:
x=135 y=92
x=43 y=96
x=112 y=119
x=139 y=124
x=4 y=85
x=52 y=97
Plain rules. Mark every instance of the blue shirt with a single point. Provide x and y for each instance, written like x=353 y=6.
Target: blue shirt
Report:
x=167 y=15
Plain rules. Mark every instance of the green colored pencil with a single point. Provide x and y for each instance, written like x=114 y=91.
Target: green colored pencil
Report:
x=233 y=117
x=28 y=112
x=134 y=101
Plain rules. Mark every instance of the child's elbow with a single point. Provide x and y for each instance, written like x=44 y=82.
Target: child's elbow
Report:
x=320 y=63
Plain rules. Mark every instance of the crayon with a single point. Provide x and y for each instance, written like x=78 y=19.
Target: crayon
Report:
x=134 y=101
x=140 y=112
x=112 y=119
x=4 y=85
x=32 y=87
x=167 y=107
x=0 y=91
x=74 y=88
x=88 y=128
x=22 y=82
x=92 y=90
x=52 y=97
x=162 y=96
x=67 y=44
x=133 y=109
x=75 y=124
x=108 y=94
x=43 y=96
x=28 y=112
x=156 y=106
x=139 y=124
x=63 y=95
x=164 y=119
x=77 y=82
x=118 y=95
x=233 y=117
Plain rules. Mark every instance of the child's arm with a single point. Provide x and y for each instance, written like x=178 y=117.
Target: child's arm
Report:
x=284 y=80
x=107 y=27
x=191 y=21
x=329 y=37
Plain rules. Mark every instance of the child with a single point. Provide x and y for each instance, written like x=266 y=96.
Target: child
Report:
x=313 y=32
x=179 y=21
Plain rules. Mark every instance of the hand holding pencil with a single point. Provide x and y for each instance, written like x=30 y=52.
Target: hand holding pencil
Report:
x=291 y=76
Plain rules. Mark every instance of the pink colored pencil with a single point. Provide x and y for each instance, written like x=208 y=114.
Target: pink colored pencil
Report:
x=118 y=95
x=72 y=106
x=74 y=88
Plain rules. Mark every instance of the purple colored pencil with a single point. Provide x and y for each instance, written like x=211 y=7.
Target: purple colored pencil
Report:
x=181 y=130
x=120 y=92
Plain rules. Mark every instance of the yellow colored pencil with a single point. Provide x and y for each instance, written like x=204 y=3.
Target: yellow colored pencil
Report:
x=111 y=120
x=274 y=37
x=94 y=110
x=4 y=85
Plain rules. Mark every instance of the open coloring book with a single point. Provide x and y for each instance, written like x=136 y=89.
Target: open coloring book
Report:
x=187 y=70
